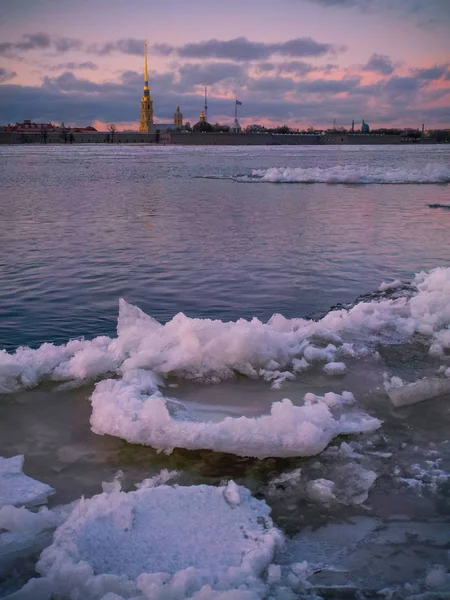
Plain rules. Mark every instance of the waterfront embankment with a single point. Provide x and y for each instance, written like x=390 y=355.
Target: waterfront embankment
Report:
x=207 y=139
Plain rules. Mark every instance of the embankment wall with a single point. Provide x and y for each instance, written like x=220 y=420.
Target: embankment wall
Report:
x=206 y=139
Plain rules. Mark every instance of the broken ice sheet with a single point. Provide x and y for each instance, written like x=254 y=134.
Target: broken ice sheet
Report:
x=17 y=489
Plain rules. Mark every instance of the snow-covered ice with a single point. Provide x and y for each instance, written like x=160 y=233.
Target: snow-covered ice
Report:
x=163 y=542
x=122 y=409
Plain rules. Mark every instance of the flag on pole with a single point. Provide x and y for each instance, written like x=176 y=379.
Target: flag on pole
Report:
x=238 y=103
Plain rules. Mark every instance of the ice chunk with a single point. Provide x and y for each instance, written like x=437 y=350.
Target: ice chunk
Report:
x=392 y=285
x=164 y=542
x=300 y=364
x=321 y=490
x=122 y=410
x=24 y=534
x=335 y=368
x=288 y=479
x=421 y=390
x=231 y=494
x=353 y=483
x=314 y=354
x=18 y=489
x=132 y=321
x=162 y=477
x=115 y=485
x=21 y=520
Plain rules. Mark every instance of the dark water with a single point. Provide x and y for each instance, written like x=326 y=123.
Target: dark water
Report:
x=170 y=229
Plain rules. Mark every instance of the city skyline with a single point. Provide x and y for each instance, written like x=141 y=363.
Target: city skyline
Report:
x=299 y=62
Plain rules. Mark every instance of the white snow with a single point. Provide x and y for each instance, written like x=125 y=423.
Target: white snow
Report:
x=123 y=410
x=167 y=543
x=17 y=489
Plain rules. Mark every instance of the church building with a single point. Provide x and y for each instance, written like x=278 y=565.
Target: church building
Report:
x=146 y=123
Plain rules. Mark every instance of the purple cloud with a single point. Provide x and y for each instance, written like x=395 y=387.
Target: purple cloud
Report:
x=242 y=49
x=379 y=63
x=6 y=75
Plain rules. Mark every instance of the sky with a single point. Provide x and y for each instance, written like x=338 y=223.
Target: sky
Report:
x=305 y=63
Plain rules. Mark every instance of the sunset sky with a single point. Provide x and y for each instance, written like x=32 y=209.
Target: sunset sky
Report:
x=300 y=62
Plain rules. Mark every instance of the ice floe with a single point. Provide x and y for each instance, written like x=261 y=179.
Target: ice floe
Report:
x=163 y=542
x=404 y=394
x=122 y=409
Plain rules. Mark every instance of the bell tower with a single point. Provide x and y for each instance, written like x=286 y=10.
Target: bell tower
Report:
x=146 y=101
x=178 y=118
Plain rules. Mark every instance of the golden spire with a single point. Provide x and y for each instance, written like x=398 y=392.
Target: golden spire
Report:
x=145 y=70
x=146 y=120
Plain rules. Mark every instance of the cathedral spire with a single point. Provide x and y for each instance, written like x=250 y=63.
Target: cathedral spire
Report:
x=146 y=120
x=146 y=90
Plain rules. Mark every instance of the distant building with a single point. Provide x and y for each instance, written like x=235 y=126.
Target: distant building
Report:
x=28 y=126
x=255 y=128
x=162 y=127
x=203 y=124
x=146 y=120
x=178 y=118
x=87 y=129
x=365 y=127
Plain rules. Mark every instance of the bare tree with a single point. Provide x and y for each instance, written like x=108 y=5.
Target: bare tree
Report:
x=112 y=128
